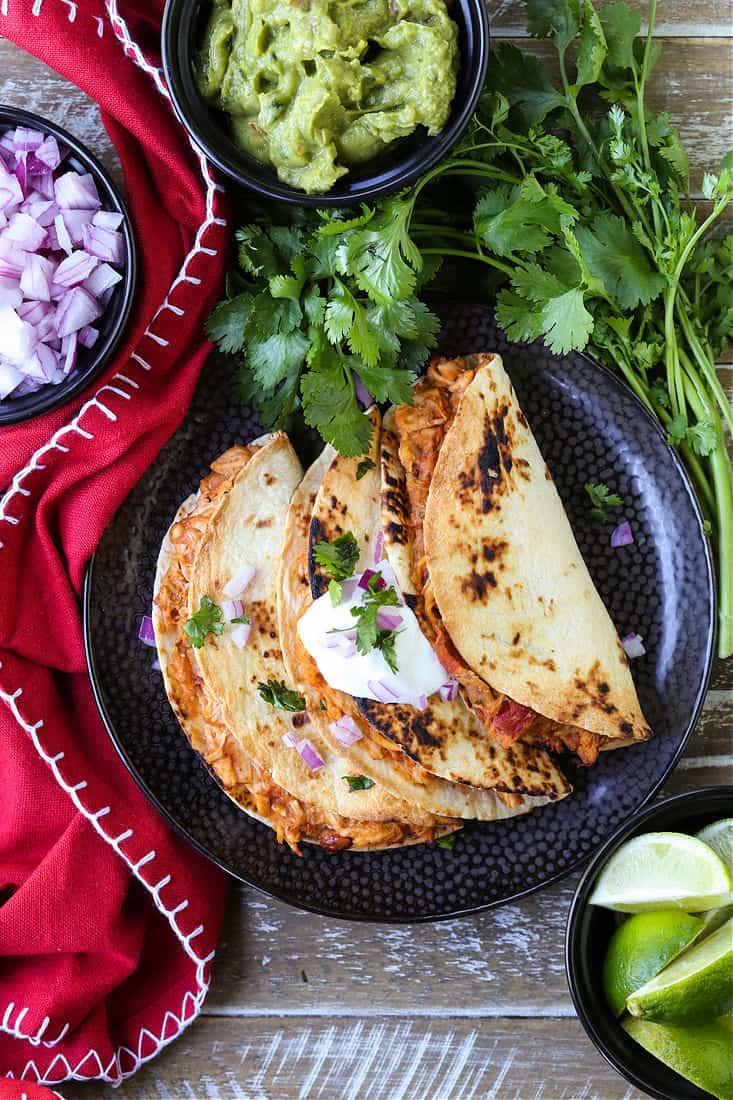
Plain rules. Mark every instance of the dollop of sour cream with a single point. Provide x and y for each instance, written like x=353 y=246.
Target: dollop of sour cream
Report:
x=419 y=672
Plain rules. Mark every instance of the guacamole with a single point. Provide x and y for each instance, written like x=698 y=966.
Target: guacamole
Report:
x=315 y=87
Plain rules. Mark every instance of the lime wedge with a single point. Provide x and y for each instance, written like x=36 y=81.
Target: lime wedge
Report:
x=663 y=871
x=719 y=837
x=698 y=983
x=700 y=1052
x=712 y=920
x=641 y=947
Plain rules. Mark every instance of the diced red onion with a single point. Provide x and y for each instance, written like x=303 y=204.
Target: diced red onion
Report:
x=75 y=220
x=366 y=576
x=348 y=650
x=105 y=244
x=345 y=730
x=35 y=282
x=289 y=740
x=383 y=692
x=232 y=609
x=363 y=395
x=146 y=633
x=101 y=279
x=76 y=309
x=62 y=234
x=10 y=292
x=26 y=231
x=18 y=337
x=240 y=634
x=378 y=547
x=388 y=620
x=48 y=152
x=241 y=579
x=421 y=702
x=633 y=646
x=10 y=378
x=88 y=336
x=107 y=219
x=309 y=754
x=622 y=535
x=74 y=269
x=448 y=691
x=76 y=192
x=69 y=347
x=155 y=665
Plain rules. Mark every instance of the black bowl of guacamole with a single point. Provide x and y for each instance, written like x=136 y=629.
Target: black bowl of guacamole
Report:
x=325 y=102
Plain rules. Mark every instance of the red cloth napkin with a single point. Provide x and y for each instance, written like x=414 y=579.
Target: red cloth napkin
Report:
x=108 y=921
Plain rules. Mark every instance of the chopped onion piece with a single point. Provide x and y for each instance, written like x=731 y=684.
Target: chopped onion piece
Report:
x=76 y=309
x=10 y=379
x=105 y=244
x=363 y=395
x=62 y=234
x=26 y=231
x=378 y=547
x=383 y=691
x=88 y=336
x=107 y=219
x=76 y=192
x=290 y=740
x=622 y=535
x=448 y=691
x=146 y=633
x=35 y=282
x=102 y=278
x=75 y=269
x=421 y=702
x=240 y=634
x=239 y=582
x=309 y=754
x=387 y=620
x=345 y=730
x=18 y=337
x=633 y=646
x=232 y=609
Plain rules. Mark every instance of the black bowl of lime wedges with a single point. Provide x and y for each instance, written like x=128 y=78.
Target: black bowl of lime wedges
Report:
x=649 y=948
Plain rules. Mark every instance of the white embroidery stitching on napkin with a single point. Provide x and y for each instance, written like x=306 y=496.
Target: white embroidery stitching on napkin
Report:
x=114 y=1072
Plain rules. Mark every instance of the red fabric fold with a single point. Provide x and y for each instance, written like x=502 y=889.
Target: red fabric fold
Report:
x=108 y=921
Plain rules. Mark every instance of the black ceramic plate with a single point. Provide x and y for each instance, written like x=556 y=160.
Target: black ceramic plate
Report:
x=590 y=428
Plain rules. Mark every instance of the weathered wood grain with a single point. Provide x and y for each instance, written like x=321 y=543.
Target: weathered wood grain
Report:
x=692 y=82
x=377 y=1059
x=690 y=19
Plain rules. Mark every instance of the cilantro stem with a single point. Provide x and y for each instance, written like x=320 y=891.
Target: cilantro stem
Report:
x=640 y=86
x=705 y=364
x=723 y=483
x=469 y=256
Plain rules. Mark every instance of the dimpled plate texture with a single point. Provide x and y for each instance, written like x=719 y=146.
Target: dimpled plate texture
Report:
x=590 y=428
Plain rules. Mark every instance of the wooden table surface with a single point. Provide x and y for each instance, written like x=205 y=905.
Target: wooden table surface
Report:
x=476 y=1009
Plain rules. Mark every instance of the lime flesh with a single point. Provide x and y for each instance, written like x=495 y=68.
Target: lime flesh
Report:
x=641 y=947
x=663 y=871
x=697 y=983
x=719 y=837
x=701 y=1052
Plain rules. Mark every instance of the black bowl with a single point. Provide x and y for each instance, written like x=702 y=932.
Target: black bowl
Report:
x=410 y=158
x=590 y=928
x=112 y=323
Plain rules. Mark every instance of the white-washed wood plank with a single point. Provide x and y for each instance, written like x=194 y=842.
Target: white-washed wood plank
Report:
x=692 y=82
x=306 y=1059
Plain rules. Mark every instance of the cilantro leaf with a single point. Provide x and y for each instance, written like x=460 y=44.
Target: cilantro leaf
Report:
x=620 y=26
x=707 y=527
x=519 y=318
x=557 y=19
x=277 y=356
x=703 y=437
x=592 y=49
x=614 y=255
x=364 y=467
x=382 y=257
x=345 y=317
x=243 y=618
x=205 y=621
x=358 y=782
x=525 y=83
x=338 y=558
x=392 y=384
x=677 y=430
x=278 y=695
x=227 y=322
x=602 y=499
x=448 y=842
x=336 y=592
x=566 y=323
x=368 y=633
x=659 y=395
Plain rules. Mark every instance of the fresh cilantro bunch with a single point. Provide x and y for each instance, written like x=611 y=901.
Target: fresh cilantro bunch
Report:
x=322 y=311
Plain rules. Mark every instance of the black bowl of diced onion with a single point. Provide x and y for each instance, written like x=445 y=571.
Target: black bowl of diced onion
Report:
x=68 y=266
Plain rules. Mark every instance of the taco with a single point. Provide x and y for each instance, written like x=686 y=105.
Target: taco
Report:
x=441 y=736
x=222 y=684
x=500 y=585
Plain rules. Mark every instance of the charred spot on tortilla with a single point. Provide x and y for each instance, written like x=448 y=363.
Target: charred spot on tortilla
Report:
x=319 y=581
x=476 y=585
